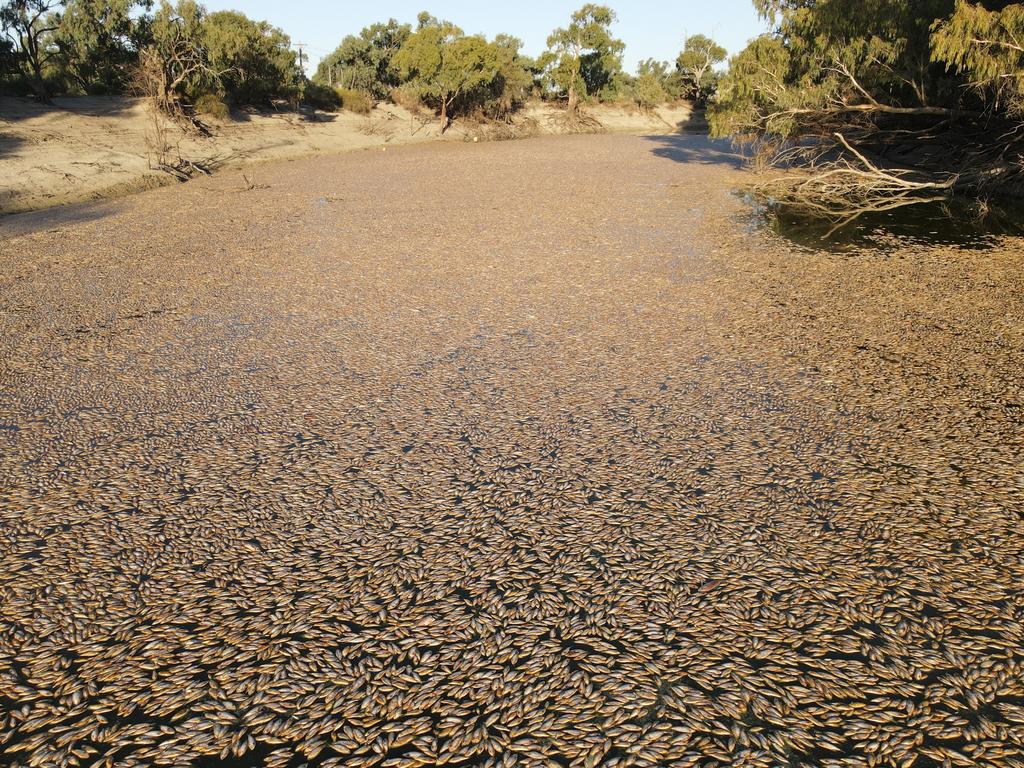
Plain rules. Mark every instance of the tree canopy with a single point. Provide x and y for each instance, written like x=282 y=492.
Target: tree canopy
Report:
x=253 y=60
x=364 y=61
x=27 y=25
x=916 y=98
x=457 y=73
x=583 y=58
x=98 y=42
x=180 y=53
x=696 y=66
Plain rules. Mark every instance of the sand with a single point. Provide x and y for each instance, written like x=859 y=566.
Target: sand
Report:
x=89 y=148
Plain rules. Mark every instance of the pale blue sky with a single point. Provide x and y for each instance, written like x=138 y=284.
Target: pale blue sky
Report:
x=650 y=28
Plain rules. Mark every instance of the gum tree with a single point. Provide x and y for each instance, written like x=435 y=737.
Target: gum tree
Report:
x=583 y=57
x=27 y=24
x=445 y=66
x=696 y=65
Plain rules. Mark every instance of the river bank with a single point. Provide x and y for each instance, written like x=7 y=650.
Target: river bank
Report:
x=89 y=148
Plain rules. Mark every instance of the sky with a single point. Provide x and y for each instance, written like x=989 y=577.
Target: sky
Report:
x=650 y=28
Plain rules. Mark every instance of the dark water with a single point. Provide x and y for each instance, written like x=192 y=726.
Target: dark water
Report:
x=954 y=223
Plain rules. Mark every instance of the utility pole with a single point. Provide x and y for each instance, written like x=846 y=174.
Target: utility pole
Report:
x=302 y=65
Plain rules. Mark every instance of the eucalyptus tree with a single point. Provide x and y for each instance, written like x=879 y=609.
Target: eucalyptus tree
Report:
x=893 y=102
x=254 y=60
x=364 y=62
x=583 y=57
x=98 y=42
x=446 y=66
x=696 y=65
x=28 y=24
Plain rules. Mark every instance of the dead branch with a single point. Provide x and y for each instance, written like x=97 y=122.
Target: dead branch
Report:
x=841 y=190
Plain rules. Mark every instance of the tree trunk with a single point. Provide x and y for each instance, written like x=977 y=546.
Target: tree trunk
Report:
x=444 y=115
x=574 y=100
x=33 y=55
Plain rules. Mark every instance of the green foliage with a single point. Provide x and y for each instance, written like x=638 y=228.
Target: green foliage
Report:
x=194 y=53
x=114 y=46
x=827 y=56
x=988 y=47
x=884 y=45
x=753 y=95
x=8 y=64
x=666 y=75
x=97 y=43
x=321 y=97
x=648 y=91
x=252 y=60
x=456 y=74
x=354 y=101
x=212 y=105
x=175 y=63
x=513 y=81
x=872 y=57
x=27 y=25
x=363 y=61
x=583 y=58
x=695 y=66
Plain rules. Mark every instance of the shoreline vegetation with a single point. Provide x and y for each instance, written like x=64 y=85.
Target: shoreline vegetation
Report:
x=87 y=148
x=845 y=107
x=873 y=106
x=210 y=80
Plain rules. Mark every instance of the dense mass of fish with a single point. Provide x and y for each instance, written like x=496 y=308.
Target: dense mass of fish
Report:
x=520 y=454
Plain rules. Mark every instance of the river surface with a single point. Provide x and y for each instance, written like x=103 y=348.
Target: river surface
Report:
x=530 y=453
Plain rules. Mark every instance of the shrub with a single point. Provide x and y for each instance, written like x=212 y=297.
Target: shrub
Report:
x=322 y=97
x=355 y=101
x=648 y=92
x=407 y=96
x=212 y=105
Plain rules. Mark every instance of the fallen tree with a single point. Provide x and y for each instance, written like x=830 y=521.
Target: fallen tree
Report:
x=876 y=106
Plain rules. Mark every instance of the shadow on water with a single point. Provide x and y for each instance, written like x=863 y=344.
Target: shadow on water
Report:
x=696 y=148
x=953 y=223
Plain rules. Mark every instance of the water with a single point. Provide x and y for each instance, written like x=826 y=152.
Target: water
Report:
x=956 y=223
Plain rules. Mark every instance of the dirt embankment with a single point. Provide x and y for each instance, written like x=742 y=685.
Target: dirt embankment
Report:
x=87 y=148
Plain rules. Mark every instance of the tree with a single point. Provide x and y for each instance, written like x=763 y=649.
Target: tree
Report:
x=27 y=23
x=696 y=65
x=583 y=57
x=175 y=63
x=888 y=102
x=8 y=59
x=513 y=81
x=98 y=42
x=254 y=60
x=667 y=76
x=364 y=61
x=649 y=91
x=448 y=68
x=987 y=46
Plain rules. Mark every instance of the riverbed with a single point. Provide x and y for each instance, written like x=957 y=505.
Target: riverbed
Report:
x=522 y=453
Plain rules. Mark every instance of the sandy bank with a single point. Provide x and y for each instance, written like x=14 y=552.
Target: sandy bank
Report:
x=89 y=148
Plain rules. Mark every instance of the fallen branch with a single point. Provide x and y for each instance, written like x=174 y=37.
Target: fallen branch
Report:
x=841 y=191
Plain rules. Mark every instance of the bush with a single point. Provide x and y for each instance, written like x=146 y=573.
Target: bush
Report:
x=355 y=101
x=407 y=96
x=322 y=97
x=648 y=92
x=212 y=105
